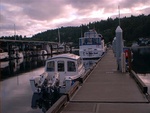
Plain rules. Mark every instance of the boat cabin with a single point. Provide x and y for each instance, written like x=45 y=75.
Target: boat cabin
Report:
x=91 y=46
x=67 y=65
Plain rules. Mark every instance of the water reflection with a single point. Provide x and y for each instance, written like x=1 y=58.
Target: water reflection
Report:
x=141 y=60
x=89 y=63
x=43 y=101
x=17 y=66
x=39 y=101
x=16 y=93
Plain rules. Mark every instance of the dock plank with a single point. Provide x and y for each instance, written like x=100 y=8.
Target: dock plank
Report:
x=106 y=108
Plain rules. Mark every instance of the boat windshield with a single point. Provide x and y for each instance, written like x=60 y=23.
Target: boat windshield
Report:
x=60 y=66
x=90 y=34
x=50 y=66
x=71 y=66
x=89 y=41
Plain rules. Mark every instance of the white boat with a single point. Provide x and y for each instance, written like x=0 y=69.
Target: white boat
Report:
x=42 y=52
x=63 y=48
x=16 y=54
x=91 y=45
x=4 y=56
x=61 y=71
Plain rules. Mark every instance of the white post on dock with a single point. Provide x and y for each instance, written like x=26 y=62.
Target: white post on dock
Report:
x=123 y=62
x=119 y=46
x=114 y=46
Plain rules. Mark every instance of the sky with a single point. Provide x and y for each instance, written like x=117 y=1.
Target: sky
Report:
x=29 y=17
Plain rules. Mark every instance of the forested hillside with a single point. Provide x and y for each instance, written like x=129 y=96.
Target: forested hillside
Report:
x=133 y=27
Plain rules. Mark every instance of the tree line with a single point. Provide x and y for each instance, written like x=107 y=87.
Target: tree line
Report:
x=133 y=27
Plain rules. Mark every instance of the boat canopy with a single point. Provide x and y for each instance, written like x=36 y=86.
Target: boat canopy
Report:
x=66 y=56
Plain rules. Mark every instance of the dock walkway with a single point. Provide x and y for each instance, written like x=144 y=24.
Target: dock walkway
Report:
x=107 y=90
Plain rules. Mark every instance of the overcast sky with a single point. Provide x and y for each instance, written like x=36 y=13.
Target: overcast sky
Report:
x=34 y=16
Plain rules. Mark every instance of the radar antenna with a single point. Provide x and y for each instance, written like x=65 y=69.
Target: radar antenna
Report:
x=119 y=13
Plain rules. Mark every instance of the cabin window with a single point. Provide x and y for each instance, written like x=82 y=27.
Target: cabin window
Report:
x=60 y=66
x=51 y=66
x=80 y=42
x=89 y=41
x=71 y=66
x=98 y=41
x=95 y=41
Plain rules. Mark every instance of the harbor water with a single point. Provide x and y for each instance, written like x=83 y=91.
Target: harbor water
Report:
x=16 y=94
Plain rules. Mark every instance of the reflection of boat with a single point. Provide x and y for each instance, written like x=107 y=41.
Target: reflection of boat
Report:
x=4 y=64
x=43 y=58
x=42 y=52
x=14 y=64
x=43 y=101
x=17 y=63
x=89 y=63
x=91 y=45
x=61 y=71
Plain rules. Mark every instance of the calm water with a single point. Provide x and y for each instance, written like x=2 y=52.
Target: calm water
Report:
x=141 y=60
x=141 y=64
x=16 y=95
x=17 y=66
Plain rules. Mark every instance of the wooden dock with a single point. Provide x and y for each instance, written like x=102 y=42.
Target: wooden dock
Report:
x=107 y=90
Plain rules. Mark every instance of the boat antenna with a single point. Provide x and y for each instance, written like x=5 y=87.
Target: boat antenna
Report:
x=15 y=31
x=94 y=25
x=119 y=13
x=81 y=30
x=88 y=27
x=59 y=36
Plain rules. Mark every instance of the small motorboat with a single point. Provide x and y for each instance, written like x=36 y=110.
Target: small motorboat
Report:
x=61 y=71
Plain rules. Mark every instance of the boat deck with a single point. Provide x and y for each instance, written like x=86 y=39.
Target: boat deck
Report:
x=107 y=90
